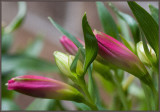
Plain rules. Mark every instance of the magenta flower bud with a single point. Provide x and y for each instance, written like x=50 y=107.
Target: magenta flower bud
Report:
x=115 y=53
x=42 y=87
x=69 y=46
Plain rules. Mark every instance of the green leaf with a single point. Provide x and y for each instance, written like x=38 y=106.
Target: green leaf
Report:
x=107 y=21
x=91 y=85
x=91 y=46
x=92 y=88
x=71 y=37
x=7 y=40
x=74 y=63
x=130 y=21
x=123 y=29
x=18 y=20
x=8 y=104
x=147 y=24
x=12 y=63
x=34 y=48
x=81 y=106
x=42 y=104
x=154 y=12
x=126 y=43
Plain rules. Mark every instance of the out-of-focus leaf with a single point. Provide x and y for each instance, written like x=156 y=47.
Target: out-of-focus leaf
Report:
x=35 y=47
x=107 y=21
x=123 y=29
x=126 y=43
x=74 y=63
x=71 y=37
x=7 y=40
x=147 y=24
x=91 y=46
x=8 y=104
x=130 y=21
x=18 y=20
x=42 y=104
x=154 y=13
x=81 y=106
x=5 y=93
x=12 y=63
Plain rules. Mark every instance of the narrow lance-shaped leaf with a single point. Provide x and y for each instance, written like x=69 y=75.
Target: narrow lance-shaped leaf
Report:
x=74 y=63
x=92 y=88
x=147 y=24
x=18 y=20
x=12 y=63
x=130 y=21
x=71 y=37
x=107 y=21
x=91 y=46
x=154 y=12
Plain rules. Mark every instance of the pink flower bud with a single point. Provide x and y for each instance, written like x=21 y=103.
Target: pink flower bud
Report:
x=69 y=46
x=114 y=52
x=42 y=87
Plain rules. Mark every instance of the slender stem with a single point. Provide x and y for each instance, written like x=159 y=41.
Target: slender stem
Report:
x=89 y=100
x=82 y=84
x=121 y=92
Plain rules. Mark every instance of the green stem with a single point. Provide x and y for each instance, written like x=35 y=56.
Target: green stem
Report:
x=89 y=100
x=121 y=92
x=153 y=103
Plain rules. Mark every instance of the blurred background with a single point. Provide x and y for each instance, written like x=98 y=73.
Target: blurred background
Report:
x=68 y=15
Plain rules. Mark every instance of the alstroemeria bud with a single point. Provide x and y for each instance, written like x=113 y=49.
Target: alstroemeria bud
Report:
x=114 y=52
x=69 y=46
x=141 y=53
x=64 y=62
x=42 y=87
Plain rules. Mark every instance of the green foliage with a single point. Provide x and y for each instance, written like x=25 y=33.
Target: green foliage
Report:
x=147 y=24
x=91 y=46
x=70 y=36
x=107 y=21
x=11 y=63
x=42 y=104
x=130 y=21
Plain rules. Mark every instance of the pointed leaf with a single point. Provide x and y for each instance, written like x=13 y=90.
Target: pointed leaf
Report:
x=130 y=21
x=74 y=63
x=107 y=21
x=91 y=46
x=71 y=37
x=147 y=24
